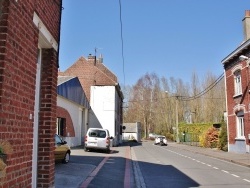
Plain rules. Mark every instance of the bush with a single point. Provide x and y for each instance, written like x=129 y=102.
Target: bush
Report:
x=209 y=138
x=222 y=143
x=2 y=165
x=5 y=147
x=169 y=136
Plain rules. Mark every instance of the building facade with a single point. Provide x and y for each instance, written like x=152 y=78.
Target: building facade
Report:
x=237 y=80
x=103 y=93
x=29 y=40
x=72 y=110
x=106 y=102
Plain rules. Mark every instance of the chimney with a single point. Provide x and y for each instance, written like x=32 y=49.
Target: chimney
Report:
x=100 y=59
x=92 y=59
x=246 y=25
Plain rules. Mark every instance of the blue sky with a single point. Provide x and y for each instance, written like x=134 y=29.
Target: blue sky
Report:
x=172 y=38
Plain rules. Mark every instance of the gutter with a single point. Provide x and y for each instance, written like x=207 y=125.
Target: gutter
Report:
x=59 y=35
x=236 y=52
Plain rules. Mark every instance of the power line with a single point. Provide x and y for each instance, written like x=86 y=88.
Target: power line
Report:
x=123 y=64
x=210 y=87
x=185 y=98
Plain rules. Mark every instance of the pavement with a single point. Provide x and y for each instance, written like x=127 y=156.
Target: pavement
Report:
x=73 y=175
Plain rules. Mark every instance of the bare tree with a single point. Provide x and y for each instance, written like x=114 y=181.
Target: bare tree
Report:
x=149 y=103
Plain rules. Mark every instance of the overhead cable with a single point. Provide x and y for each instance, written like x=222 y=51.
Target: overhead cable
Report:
x=123 y=64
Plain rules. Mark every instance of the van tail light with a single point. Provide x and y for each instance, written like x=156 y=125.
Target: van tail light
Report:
x=86 y=138
x=108 y=141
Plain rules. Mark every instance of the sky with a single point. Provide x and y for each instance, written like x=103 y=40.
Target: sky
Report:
x=172 y=38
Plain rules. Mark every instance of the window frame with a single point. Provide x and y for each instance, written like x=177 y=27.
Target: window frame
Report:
x=237 y=83
x=240 y=133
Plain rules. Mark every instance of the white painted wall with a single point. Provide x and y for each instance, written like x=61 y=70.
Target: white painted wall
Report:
x=104 y=110
x=79 y=119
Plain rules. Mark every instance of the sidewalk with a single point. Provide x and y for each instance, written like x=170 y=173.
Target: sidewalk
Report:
x=241 y=159
x=72 y=175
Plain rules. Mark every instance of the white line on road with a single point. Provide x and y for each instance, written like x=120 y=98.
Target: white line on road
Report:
x=208 y=165
x=235 y=175
x=247 y=180
x=139 y=180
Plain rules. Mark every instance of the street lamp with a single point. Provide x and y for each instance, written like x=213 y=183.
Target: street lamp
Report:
x=176 y=117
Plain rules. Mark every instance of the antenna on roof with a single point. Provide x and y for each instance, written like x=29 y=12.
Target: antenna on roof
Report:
x=96 y=53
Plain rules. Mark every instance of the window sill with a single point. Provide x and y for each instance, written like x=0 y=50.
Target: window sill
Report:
x=237 y=95
x=240 y=138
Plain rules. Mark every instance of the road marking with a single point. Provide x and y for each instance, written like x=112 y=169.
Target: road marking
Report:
x=94 y=173
x=139 y=180
x=127 y=168
x=247 y=180
x=208 y=165
x=235 y=175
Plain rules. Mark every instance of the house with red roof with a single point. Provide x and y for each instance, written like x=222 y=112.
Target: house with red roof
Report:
x=103 y=92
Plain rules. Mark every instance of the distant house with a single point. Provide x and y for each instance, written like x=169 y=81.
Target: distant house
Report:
x=237 y=80
x=72 y=110
x=30 y=33
x=103 y=93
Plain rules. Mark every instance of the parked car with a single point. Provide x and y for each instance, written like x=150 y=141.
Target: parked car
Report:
x=62 y=150
x=97 y=138
x=161 y=140
x=152 y=135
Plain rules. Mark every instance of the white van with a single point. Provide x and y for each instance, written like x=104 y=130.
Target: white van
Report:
x=97 y=138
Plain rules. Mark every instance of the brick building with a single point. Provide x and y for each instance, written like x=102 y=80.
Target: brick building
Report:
x=29 y=40
x=237 y=78
x=103 y=93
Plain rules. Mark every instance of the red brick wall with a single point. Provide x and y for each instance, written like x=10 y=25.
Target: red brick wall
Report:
x=47 y=127
x=233 y=101
x=69 y=128
x=18 y=60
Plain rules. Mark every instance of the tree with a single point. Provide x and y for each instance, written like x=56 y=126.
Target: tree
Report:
x=147 y=102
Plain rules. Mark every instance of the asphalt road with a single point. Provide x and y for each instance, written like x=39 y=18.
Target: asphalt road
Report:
x=96 y=169
x=147 y=165
x=166 y=166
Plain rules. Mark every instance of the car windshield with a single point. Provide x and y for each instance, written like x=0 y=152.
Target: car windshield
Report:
x=58 y=139
x=97 y=133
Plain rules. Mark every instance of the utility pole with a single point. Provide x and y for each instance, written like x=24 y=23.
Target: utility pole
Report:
x=177 y=120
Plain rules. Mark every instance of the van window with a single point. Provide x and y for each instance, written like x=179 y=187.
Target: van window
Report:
x=97 y=133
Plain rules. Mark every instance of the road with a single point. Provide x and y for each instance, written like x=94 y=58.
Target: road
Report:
x=167 y=166
x=147 y=165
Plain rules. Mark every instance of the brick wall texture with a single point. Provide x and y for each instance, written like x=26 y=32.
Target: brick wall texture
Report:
x=18 y=63
x=237 y=103
x=69 y=128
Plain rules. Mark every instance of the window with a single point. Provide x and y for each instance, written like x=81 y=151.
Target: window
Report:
x=97 y=133
x=61 y=122
x=237 y=83
x=240 y=125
